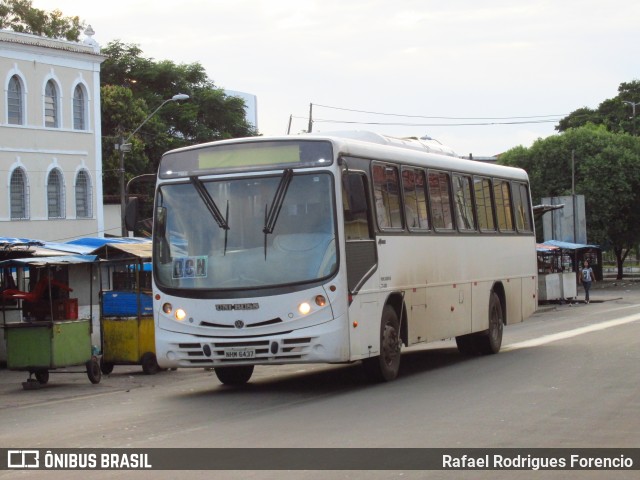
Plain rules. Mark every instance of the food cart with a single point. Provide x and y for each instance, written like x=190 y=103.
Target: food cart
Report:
x=126 y=307
x=43 y=332
x=558 y=263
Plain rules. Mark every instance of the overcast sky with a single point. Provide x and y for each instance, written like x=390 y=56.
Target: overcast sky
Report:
x=473 y=61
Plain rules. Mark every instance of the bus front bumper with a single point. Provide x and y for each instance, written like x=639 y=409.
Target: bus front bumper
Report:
x=324 y=343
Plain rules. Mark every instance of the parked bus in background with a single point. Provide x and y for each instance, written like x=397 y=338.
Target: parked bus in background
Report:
x=334 y=249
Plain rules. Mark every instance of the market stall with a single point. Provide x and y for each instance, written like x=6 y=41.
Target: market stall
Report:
x=558 y=263
x=42 y=328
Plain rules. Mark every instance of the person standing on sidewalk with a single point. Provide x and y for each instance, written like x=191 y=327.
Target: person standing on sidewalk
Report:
x=586 y=277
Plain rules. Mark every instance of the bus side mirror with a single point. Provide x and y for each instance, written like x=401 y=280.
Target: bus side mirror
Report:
x=131 y=214
x=356 y=193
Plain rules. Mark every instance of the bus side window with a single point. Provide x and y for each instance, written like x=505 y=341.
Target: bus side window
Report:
x=502 y=196
x=440 y=200
x=413 y=186
x=522 y=208
x=386 y=190
x=484 y=208
x=463 y=203
x=355 y=206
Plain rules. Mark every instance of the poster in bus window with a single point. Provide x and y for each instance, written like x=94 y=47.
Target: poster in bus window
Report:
x=190 y=267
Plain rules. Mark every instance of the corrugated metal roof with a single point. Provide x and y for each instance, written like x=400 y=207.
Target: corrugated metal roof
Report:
x=121 y=251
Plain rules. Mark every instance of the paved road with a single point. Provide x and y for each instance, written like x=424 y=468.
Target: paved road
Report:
x=568 y=377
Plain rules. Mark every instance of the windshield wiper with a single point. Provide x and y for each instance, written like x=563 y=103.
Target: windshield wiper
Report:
x=271 y=217
x=223 y=222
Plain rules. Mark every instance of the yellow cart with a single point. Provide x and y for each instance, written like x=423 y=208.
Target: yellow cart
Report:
x=126 y=308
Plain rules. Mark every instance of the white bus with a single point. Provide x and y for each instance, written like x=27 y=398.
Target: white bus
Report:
x=330 y=249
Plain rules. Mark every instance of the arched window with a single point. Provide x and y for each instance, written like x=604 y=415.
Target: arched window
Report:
x=51 y=119
x=19 y=195
x=15 y=108
x=84 y=197
x=55 y=194
x=79 y=109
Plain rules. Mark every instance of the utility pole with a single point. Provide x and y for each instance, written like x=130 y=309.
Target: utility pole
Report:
x=310 y=118
x=122 y=147
x=573 y=194
x=289 y=127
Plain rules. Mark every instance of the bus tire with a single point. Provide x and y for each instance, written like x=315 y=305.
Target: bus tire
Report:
x=490 y=341
x=385 y=367
x=149 y=363
x=234 y=375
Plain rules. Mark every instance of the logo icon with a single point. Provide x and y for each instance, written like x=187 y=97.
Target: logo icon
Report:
x=23 y=459
x=239 y=324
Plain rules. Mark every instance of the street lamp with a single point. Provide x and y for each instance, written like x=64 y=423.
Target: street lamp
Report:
x=124 y=146
x=633 y=114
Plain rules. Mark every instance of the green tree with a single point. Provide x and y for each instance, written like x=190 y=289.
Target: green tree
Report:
x=121 y=113
x=607 y=173
x=613 y=113
x=22 y=16
x=208 y=115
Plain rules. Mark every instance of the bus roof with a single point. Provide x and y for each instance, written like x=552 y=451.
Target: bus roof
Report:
x=422 y=152
x=412 y=151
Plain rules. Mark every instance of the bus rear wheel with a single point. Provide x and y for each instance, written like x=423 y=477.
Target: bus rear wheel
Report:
x=385 y=367
x=234 y=375
x=489 y=341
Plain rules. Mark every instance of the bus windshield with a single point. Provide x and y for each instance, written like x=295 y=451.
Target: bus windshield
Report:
x=216 y=234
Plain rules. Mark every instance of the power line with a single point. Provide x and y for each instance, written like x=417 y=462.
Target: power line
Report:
x=405 y=124
x=439 y=117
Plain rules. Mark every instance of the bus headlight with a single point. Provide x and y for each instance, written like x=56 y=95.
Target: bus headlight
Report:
x=304 y=308
x=180 y=314
x=167 y=308
x=321 y=301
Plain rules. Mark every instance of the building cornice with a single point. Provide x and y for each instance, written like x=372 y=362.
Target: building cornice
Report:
x=29 y=40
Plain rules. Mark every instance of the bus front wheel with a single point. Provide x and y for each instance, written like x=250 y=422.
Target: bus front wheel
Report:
x=385 y=366
x=234 y=375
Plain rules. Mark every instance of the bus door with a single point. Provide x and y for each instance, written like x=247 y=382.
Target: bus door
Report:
x=361 y=260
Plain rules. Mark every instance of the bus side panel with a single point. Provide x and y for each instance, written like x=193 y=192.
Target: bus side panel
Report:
x=513 y=294
x=481 y=294
x=415 y=300
x=529 y=296
x=448 y=311
x=364 y=326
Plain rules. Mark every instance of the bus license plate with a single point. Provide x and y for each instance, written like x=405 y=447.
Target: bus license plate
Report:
x=240 y=353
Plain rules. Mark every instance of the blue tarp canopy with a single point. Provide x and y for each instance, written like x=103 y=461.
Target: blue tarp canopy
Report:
x=19 y=241
x=46 y=261
x=81 y=246
x=568 y=245
x=97 y=242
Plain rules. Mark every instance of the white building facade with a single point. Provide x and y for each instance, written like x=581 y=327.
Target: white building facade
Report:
x=50 y=138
